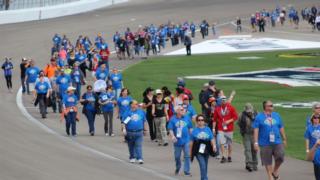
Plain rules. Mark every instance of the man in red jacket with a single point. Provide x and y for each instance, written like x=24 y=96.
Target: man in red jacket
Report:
x=224 y=118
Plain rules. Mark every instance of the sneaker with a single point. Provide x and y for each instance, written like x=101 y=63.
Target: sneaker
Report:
x=275 y=177
x=255 y=168
x=107 y=134
x=223 y=160
x=92 y=133
x=229 y=159
x=140 y=161
x=187 y=174
x=132 y=161
x=176 y=172
x=74 y=135
x=112 y=135
x=249 y=169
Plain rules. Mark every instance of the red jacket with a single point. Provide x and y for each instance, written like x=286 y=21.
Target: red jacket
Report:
x=104 y=53
x=219 y=118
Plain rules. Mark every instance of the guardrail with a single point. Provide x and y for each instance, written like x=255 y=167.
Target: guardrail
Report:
x=24 y=4
x=47 y=12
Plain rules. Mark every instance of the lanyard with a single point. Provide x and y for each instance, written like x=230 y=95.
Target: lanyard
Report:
x=270 y=119
x=224 y=111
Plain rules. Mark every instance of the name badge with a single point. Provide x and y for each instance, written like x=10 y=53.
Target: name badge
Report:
x=179 y=132
x=202 y=148
x=272 y=137
x=127 y=120
x=225 y=127
x=71 y=110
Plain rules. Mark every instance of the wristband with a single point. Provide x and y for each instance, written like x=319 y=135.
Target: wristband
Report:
x=256 y=143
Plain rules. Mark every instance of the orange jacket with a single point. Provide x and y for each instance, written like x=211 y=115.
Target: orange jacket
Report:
x=65 y=112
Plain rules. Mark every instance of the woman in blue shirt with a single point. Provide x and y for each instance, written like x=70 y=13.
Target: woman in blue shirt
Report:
x=116 y=81
x=124 y=103
x=312 y=133
x=88 y=100
x=202 y=145
x=7 y=68
x=107 y=102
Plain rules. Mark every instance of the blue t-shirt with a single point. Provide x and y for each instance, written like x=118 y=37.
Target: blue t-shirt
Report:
x=116 y=80
x=91 y=101
x=42 y=87
x=70 y=100
x=137 y=119
x=316 y=159
x=102 y=74
x=312 y=134
x=185 y=124
x=63 y=81
x=7 y=68
x=267 y=125
x=76 y=76
x=107 y=97
x=201 y=134
x=32 y=73
x=124 y=105
x=81 y=58
x=190 y=112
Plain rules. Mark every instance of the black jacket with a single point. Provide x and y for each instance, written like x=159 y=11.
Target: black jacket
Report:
x=208 y=150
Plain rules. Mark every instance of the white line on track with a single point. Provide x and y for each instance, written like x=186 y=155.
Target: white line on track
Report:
x=81 y=146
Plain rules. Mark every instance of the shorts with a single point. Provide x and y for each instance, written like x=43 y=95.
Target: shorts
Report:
x=225 y=138
x=267 y=152
x=32 y=87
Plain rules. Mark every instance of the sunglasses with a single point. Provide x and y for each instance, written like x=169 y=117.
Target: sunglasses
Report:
x=316 y=117
x=318 y=107
x=200 y=120
x=270 y=105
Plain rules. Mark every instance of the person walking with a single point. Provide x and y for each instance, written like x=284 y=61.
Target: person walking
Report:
x=77 y=79
x=315 y=111
x=116 y=82
x=245 y=122
x=42 y=89
x=180 y=129
x=188 y=43
x=202 y=145
x=123 y=104
x=23 y=68
x=70 y=111
x=31 y=76
x=160 y=115
x=270 y=139
x=239 y=26
x=7 y=67
x=224 y=118
x=89 y=102
x=314 y=156
x=147 y=105
x=134 y=128
x=312 y=133
x=107 y=101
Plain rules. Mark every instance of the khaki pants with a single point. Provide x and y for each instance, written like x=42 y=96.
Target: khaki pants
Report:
x=161 y=131
x=249 y=152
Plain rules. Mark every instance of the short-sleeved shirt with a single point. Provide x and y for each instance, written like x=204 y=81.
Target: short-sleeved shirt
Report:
x=268 y=124
x=159 y=107
x=32 y=73
x=63 y=81
x=137 y=119
x=91 y=98
x=70 y=100
x=201 y=134
x=124 y=105
x=107 y=97
x=102 y=74
x=146 y=101
x=116 y=80
x=190 y=111
x=312 y=134
x=185 y=124
x=76 y=76
x=42 y=87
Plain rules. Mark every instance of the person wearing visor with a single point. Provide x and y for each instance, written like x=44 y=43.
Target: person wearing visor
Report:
x=70 y=110
x=134 y=128
x=224 y=118
x=270 y=139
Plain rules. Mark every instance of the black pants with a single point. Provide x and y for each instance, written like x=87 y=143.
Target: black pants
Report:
x=42 y=104
x=151 y=124
x=188 y=48
x=316 y=171
x=83 y=68
x=9 y=82
x=261 y=28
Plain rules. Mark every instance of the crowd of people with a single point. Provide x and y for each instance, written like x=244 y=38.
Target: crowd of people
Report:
x=167 y=115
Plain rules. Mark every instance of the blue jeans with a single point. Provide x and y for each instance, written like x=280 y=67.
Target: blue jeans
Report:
x=135 y=144
x=91 y=115
x=78 y=89
x=71 y=122
x=177 y=156
x=203 y=164
x=117 y=93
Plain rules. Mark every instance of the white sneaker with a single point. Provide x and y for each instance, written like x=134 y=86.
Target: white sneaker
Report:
x=132 y=160
x=112 y=135
x=107 y=134
x=140 y=161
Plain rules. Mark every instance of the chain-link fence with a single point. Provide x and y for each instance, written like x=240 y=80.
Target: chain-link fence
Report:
x=23 y=4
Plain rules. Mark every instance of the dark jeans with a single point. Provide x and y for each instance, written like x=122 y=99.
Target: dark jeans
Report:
x=71 y=123
x=108 y=122
x=188 y=49
x=23 y=84
x=316 y=171
x=134 y=140
x=9 y=81
x=203 y=164
x=91 y=116
x=42 y=104
x=152 y=129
